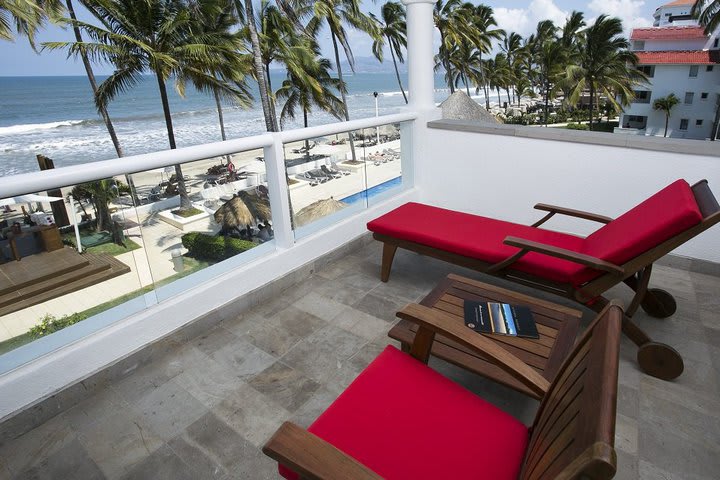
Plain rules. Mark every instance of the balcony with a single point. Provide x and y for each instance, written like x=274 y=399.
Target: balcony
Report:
x=188 y=379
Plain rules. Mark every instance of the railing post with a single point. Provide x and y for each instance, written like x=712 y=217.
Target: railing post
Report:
x=421 y=78
x=279 y=193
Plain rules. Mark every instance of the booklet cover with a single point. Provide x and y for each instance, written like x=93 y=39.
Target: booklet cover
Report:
x=500 y=318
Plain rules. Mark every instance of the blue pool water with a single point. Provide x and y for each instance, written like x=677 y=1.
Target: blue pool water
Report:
x=372 y=191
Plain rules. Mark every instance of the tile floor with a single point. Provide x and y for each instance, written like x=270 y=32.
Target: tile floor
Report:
x=204 y=409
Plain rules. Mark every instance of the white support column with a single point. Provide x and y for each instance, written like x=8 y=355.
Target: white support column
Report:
x=278 y=192
x=420 y=28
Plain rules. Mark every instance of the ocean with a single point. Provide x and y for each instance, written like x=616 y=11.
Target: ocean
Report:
x=56 y=117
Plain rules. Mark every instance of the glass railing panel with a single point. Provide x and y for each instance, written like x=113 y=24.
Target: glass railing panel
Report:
x=381 y=149
x=321 y=172
x=226 y=215
x=50 y=281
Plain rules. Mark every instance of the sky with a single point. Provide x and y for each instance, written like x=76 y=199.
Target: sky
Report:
x=18 y=59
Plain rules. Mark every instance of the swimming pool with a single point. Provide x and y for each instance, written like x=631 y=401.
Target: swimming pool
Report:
x=372 y=191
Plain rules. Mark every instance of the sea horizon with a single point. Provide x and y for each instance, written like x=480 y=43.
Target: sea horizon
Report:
x=55 y=116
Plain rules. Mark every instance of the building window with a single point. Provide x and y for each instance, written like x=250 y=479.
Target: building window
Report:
x=693 y=71
x=709 y=68
x=642 y=96
x=704 y=96
x=698 y=123
x=639 y=45
x=716 y=42
x=689 y=96
x=648 y=70
x=684 y=123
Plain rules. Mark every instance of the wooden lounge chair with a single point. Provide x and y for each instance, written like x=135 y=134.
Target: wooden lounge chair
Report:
x=401 y=419
x=621 y=251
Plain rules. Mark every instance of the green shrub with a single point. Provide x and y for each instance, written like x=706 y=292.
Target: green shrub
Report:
x=50 y=323
x=577 y=126
x=209 y=247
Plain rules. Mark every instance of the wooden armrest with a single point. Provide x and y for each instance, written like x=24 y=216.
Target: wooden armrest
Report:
x=552 y=209
x=581 y=258
x=312 y=457
x=440 y=322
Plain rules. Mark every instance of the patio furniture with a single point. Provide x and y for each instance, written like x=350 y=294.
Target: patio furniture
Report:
x=401 y=419
x=557 y=326
x=621 y=251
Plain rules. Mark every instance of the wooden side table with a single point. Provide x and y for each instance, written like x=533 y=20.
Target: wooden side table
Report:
x=557 y=325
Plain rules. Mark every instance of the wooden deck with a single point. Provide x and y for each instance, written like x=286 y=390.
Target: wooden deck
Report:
x=41 y=277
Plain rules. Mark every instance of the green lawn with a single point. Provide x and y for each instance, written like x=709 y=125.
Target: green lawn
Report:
x=191 y=266
x=109 y=248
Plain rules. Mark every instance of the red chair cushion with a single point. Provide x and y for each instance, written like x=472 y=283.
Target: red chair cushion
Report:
x=667 y=213
x=403 y=420
x=478 y=237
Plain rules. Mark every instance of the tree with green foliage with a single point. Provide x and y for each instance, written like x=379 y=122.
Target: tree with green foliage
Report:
x=165 y=38
x=393 y=30
x=666 y=104
x=25 y=17
x=605 y=65
x=708 y=14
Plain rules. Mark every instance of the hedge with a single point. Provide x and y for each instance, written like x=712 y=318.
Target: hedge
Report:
x=208 y=247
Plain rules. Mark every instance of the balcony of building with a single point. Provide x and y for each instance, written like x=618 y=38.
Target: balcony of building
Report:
x=189 y=376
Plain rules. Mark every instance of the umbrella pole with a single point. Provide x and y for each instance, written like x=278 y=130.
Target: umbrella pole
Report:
x=75 y=224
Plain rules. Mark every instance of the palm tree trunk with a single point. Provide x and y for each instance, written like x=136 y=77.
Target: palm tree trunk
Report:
x=467 y=85
x=270 y=118
x=103 y=111
x=498 y=90
x=547 y=100
x=397 y=73
x=220 y=115
x=218 y=105
x=592 y=97
x=342 y=91
x=184 y=198
x=307 y=141
x=507 y=91
x=667 y=120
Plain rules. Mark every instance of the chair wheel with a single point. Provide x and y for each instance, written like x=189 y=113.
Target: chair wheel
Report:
x=660 y=361
x=658 y=303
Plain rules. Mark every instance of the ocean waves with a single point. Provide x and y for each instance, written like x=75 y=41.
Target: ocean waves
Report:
x=35 y=127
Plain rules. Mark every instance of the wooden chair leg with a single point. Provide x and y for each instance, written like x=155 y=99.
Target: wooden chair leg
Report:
x=387 y=260
x=656 y=302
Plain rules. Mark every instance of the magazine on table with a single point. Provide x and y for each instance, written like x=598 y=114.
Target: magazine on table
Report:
x=500 y=318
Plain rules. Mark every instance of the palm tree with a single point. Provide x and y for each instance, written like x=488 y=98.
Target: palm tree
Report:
x=392 y=28
x=160 y=36
x=483 y=33
x=244 y=10
x=335 y=14
x=666 y=104
x=26 y=16
x=513 y=48
x=451 y=20
x=299 y=92
x=605 y=65
x=708 y=13
x=211 y=21
x=551 y=62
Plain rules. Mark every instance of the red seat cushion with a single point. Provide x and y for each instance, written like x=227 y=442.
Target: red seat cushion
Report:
x=478 y=237
x=667 y=213
x=405 y=421
x=659 y=218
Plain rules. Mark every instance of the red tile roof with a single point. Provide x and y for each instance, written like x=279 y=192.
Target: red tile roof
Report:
x=697 y=57
x=678 y=3
x=668 y=33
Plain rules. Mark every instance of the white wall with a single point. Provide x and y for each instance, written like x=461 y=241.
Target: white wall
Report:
x=675 y=44
x=504 y=176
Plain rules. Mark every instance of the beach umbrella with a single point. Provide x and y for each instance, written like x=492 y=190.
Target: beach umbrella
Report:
x=318 y=210
x=31 y=197
x=258 y=206
x=234 y=213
